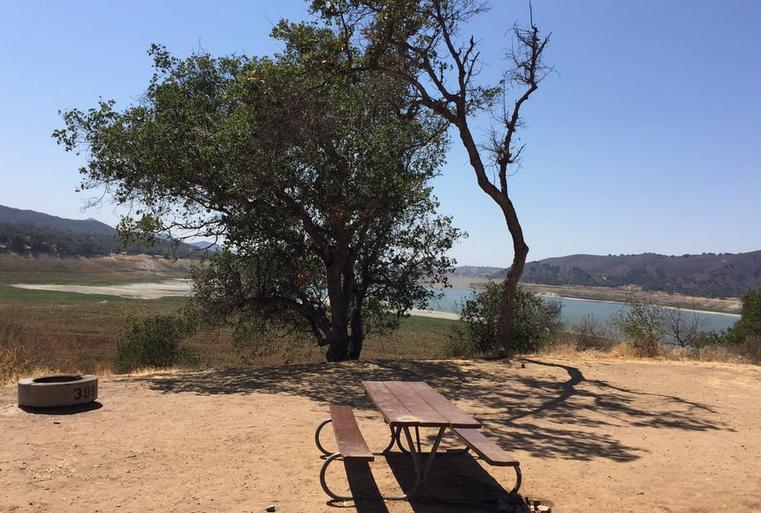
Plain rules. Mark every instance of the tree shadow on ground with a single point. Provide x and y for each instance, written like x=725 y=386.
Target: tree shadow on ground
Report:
x=547 y=409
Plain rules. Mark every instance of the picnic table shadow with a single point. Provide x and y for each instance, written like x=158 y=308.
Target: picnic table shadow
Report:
x=452 y=475
x=509 y=399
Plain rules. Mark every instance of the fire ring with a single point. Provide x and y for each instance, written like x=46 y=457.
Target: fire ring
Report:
x=57 y=390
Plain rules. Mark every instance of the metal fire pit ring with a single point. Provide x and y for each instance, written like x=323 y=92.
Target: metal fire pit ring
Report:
x=57 y=390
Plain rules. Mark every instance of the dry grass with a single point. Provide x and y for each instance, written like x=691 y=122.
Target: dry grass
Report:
x=14 y=355
x=69 y=332
x=747 y=353
x=13 y=363
x=79 y=333
x=54 y=331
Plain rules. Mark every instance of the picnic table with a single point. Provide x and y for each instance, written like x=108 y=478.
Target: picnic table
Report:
x=406 y=407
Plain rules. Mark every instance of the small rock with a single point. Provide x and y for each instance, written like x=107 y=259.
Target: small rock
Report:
x=543 y=509
x=270 y=508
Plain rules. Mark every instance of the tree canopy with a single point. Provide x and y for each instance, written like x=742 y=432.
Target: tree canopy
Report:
x=317 y=181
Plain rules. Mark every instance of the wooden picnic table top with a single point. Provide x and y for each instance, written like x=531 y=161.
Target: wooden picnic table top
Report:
x=415 y=403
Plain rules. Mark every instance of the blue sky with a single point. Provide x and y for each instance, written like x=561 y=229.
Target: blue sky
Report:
x=647 y=138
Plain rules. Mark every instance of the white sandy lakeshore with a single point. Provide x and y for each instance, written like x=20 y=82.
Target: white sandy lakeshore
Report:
x=156 y=290
x=148 y=290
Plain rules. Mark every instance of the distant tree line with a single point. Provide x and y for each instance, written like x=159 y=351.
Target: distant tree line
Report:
x=33 y=240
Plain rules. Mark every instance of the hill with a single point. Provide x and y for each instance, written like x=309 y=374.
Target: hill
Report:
x=42 y=221
x=27 y=232
x=709 y=274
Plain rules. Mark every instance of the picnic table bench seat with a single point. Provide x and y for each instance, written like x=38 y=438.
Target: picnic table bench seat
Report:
x=351 y=448
x=351 y=443
x=489 y=451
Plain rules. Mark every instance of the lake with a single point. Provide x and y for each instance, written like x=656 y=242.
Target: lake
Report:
x=575 y=309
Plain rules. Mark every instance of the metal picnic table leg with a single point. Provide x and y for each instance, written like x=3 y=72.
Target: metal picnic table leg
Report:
x=394 y=437
x=423 y=472
x=422 y=468
x=422 y=465
x=415 y=455
x=426 y=472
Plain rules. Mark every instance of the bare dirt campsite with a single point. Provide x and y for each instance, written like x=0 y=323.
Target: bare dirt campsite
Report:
x=380 y=256
x=591 y=435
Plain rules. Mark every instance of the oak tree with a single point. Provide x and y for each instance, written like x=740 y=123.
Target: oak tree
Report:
x=317 y=181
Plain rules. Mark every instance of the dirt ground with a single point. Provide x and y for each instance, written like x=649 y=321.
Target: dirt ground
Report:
x=592 y=436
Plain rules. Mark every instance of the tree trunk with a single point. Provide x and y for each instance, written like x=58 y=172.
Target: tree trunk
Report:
x=520 y=248
x=338 y=347
x=510 y=291
x=338 y=339
x=357 y=333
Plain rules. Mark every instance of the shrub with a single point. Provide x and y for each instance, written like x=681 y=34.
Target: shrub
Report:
x=750 y=348
x=459 y=344
x=749 y=324
x=683 y=328
x=154 y=342
x=589 y=333
x=643 y=325
x=534 y=320
x=705 y=339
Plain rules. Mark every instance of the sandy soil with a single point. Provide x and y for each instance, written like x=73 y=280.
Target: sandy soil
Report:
x=436 y=314
x=598 y=435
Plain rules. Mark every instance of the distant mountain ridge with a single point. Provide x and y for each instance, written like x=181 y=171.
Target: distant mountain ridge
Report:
x=477 y=271
x=38 y=219
x=709 y=274
x=211 y=247
x=35 y=233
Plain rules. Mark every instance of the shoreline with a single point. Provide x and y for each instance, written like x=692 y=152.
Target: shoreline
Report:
x=182 y=287
x=696 y=303
x=616 y=295
x=612 y=302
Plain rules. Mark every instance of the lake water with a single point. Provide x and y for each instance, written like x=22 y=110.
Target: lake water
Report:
x=575 y=309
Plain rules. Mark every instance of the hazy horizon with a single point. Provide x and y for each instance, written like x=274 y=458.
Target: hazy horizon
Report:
x=647 y=139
